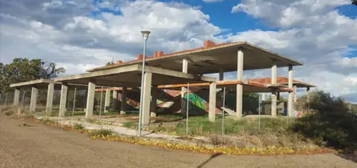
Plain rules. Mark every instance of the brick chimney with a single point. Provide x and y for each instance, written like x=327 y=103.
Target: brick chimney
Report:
x=208 y=43
x=119 y=62
x=139 y=57
x=158 y=53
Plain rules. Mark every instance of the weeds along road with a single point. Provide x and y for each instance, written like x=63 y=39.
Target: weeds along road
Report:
x=41 y=146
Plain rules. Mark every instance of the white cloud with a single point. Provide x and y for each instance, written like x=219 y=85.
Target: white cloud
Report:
x=349 y=62
x=78 y=35
x=288 y=13
x=94 y=40
x=52 y=4
x=310 y=31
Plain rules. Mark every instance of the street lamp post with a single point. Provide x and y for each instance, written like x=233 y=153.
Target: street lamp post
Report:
x=145 y=34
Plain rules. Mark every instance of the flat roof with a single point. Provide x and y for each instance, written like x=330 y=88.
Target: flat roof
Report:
x=37 y=82
x=42 y=83
x=214 y=58
x=130 y=75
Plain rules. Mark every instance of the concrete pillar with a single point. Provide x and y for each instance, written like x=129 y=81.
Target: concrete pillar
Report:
x=291 y=96
x=90 y=99
x=274 y=97
x=115 y=100
x=184 y=70
x=154 y=95
x=107 y=101
x=123 y=100
x=16 y=96
x=212 y=102
x=49 y=101
x=221 y=75
x=146 y=98
x=63 y=100
x=239 y=94
x=5 y=99
x=294 y=93
x=33 y=100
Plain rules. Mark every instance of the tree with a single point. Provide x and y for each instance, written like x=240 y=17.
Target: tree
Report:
x=23 y=69
x=50 y=71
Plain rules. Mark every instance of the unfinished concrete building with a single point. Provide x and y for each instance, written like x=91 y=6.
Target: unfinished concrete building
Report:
x=177 y=70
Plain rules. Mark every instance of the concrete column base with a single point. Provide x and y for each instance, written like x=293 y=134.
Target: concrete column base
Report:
x=123 y=100
x=274 y=100
x=146 y=98
x=16 y=97
x=212 y=102
x=107 y=101
x=290 y=105
x=115 y=105
x=63 y=101
x=90 y=99
x=33 y=100
x=49 y=101
x=239 y=101
x=153 y=108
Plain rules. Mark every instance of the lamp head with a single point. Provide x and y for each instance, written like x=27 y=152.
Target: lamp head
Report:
x=145 y=34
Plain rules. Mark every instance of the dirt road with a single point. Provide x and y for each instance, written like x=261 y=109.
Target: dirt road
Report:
x=41 y=146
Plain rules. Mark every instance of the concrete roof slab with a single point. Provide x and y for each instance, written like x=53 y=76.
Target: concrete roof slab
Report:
x=216 y=58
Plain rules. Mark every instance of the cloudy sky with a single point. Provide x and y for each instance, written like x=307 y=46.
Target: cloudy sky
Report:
x=81 y=34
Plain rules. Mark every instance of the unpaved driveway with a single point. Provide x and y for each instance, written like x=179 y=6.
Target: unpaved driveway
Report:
x=46 y=147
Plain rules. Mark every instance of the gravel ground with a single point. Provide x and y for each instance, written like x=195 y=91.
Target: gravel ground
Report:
x=36 y=145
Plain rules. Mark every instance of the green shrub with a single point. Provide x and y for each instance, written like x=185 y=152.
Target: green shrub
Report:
x=47 y=121
x=9 y=113
x=331 y=124
x=78 y=126
x=101 y=132
x=129 y=124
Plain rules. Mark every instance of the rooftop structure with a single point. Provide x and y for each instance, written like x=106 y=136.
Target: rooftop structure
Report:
x=177 y=70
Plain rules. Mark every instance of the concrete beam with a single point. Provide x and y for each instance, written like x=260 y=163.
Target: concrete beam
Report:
x=221 y=75
x=274 y=97
x=123 y=100
x=212 y=102
x=63 y=100
x=146 y=98
x=33 y=100
x=107 y=100
x=107 y=72
x=239 y=90
x=172 y=73
x=49 y=101
x=90 y=99
x=29 y=83
x=291 y=94
x=16 y=97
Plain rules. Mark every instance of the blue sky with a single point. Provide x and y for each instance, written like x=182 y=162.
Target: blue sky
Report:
x=83 y=34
